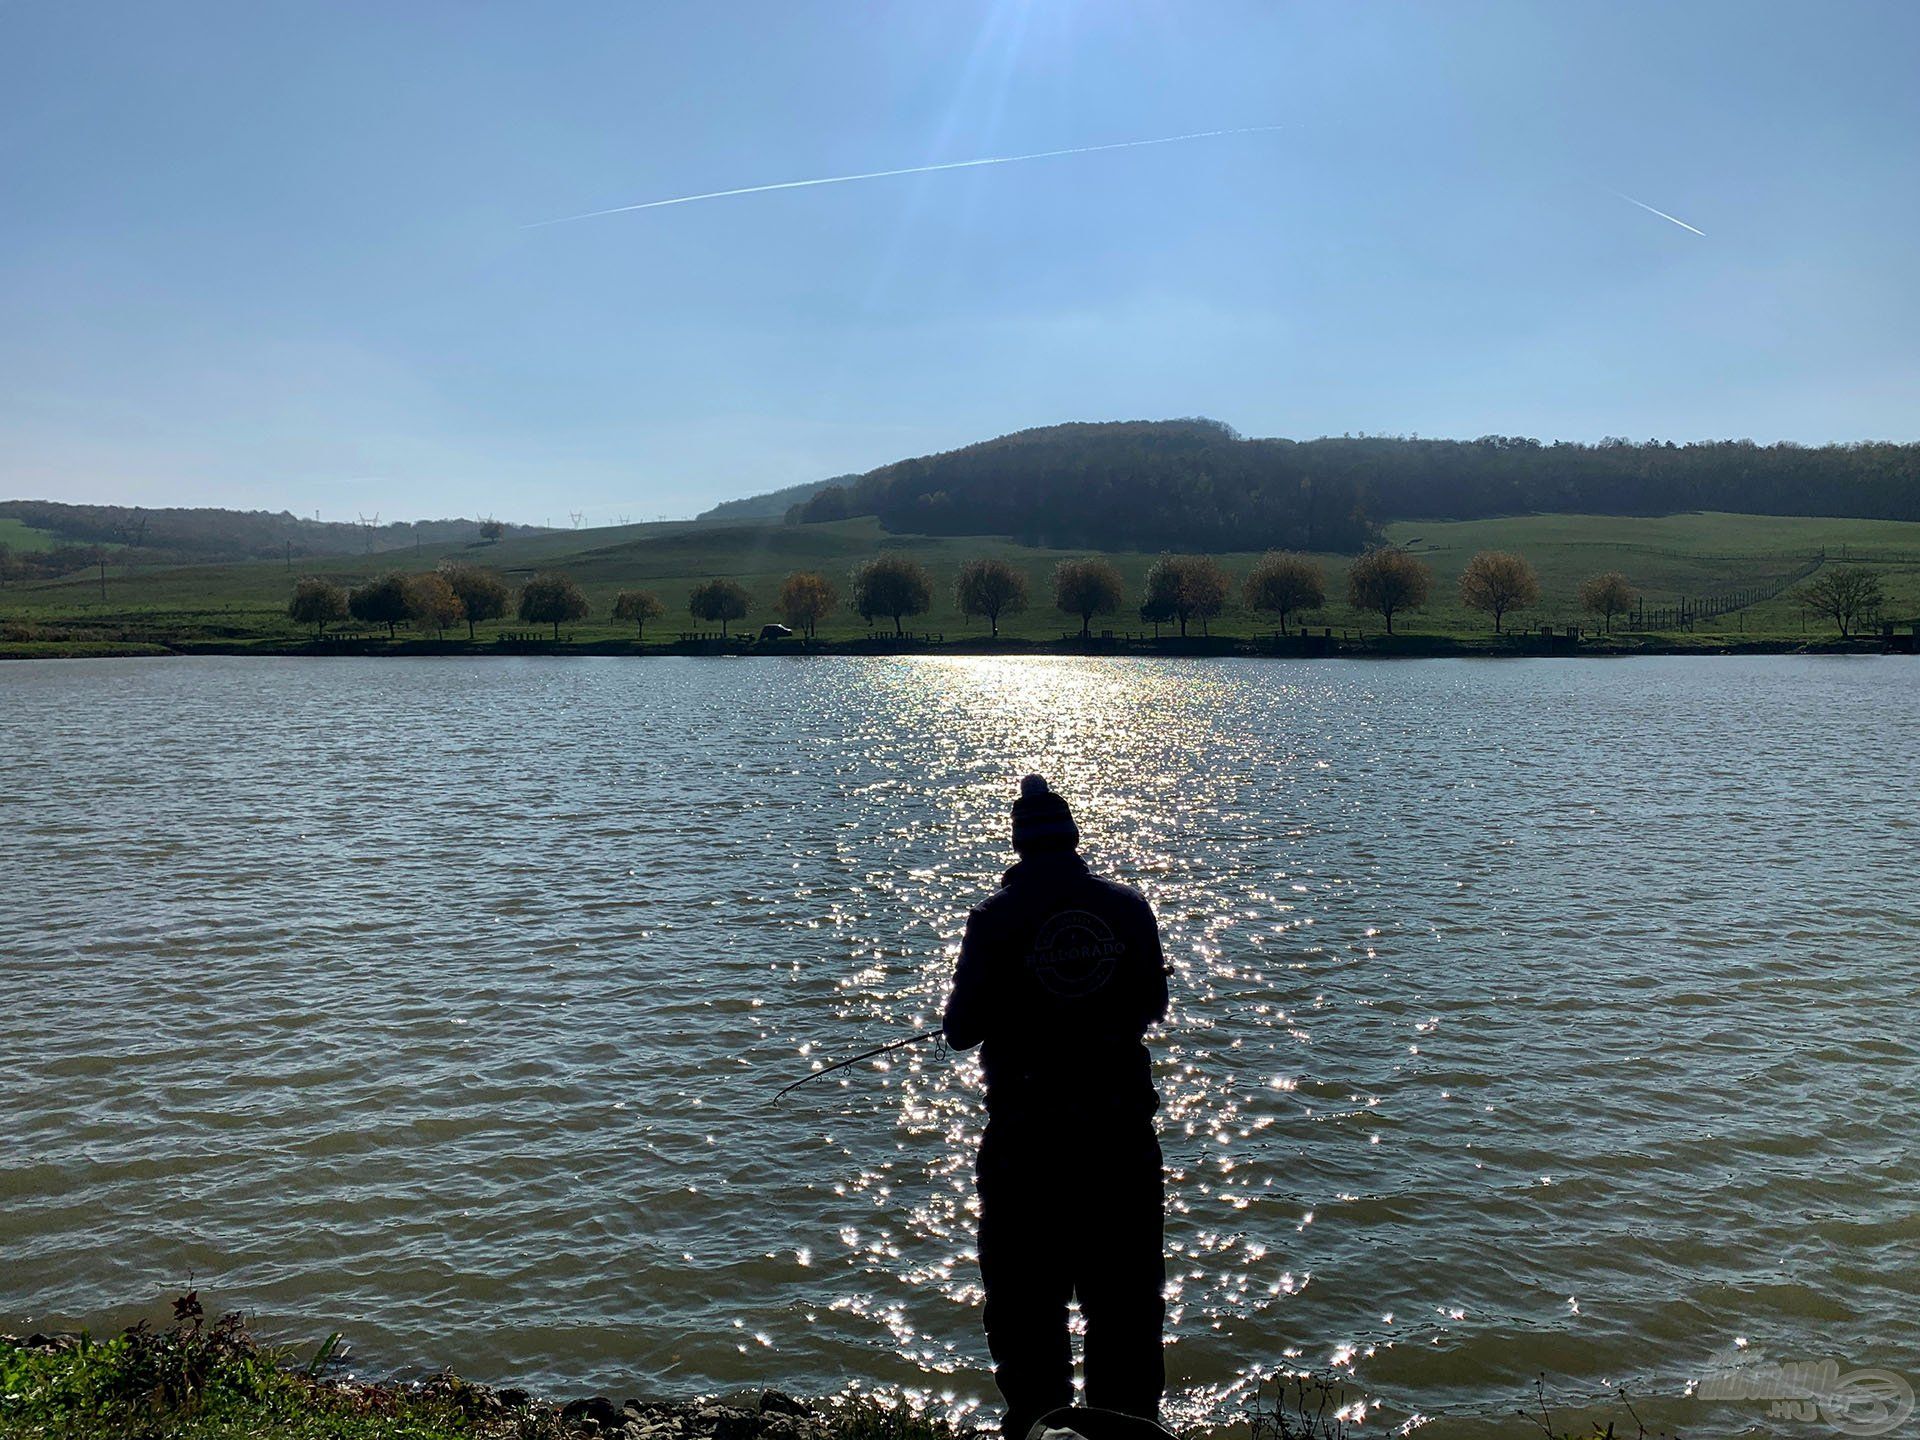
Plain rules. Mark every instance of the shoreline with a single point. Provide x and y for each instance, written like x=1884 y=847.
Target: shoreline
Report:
x=1311 y=647
x=196 y=1377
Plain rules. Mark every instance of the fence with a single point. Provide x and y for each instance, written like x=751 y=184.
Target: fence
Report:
x=1688 y=612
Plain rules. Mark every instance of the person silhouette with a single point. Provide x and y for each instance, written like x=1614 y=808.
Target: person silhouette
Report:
x=1059 y=977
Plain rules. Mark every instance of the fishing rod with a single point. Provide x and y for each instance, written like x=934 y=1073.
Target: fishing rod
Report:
x=854 y=1060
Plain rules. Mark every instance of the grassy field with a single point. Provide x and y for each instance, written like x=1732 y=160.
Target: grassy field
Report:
x=1667 y=558
x=17 y=535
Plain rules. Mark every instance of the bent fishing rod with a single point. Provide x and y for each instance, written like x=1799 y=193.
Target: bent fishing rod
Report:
x=855 y=1060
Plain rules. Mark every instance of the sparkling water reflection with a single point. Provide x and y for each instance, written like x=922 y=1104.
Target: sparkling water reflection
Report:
x=1529 y=1016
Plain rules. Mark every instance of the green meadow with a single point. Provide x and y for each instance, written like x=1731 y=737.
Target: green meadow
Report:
x=1668 y=559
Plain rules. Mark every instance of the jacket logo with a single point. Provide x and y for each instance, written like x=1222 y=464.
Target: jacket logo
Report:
x=1074 y=953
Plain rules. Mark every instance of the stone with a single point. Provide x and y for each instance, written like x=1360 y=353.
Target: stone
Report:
x=596 y=1410
x=514 y=1398
x=726 y=1422
x=777 y=1402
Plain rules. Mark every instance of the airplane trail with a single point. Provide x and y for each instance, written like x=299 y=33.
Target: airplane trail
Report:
x=912 y=170
x=1661 y=213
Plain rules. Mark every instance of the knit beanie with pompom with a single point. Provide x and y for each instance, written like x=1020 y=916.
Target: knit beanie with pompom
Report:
x=1041 y=819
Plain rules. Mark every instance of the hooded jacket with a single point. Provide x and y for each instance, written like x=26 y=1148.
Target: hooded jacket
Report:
x=1060 y=974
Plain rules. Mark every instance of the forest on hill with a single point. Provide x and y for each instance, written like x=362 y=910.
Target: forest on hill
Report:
x=1197 y=484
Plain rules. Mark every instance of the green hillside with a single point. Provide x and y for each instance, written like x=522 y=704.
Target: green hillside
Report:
x=1668 y=558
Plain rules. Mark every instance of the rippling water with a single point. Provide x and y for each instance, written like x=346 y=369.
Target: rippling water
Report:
x=1529 y=1016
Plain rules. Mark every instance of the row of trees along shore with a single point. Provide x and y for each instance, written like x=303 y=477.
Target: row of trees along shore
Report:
x=1179 y=589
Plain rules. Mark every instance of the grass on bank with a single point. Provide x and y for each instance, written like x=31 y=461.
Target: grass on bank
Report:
x=1666 y=558
x=200 y=1380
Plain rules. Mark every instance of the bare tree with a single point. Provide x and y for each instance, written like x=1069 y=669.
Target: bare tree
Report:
x=483 y=594
x=431 y=603
x=318 y=602
x=380 y=602
x=639 y=606
x=991 y=588
x=806 y=598
x=1388 y=580
x=1607 y=594
x=552 y=599
x=1848 y=595
x=893 y=585
x=1497 y=581
x=1087 y=588
x=1283 y=583
x=1187 y=587
x=721 y=600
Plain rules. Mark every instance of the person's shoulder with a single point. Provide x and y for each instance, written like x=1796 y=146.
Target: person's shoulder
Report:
x=1124 y=894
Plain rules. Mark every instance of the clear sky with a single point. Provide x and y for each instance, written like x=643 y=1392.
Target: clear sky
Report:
x=276 y=255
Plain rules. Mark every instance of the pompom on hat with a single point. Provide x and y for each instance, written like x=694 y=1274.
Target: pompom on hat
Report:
x=1041 y=819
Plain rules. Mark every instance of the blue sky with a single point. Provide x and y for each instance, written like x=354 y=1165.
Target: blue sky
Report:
x=275 y=254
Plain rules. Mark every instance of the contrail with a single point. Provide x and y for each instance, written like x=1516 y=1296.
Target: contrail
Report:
x=914 y=170
x=1661 y=213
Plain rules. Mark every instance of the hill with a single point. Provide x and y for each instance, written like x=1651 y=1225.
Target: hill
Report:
x=774 y=504
x=53 y=537
x=1197 y=484
x=1692 y=557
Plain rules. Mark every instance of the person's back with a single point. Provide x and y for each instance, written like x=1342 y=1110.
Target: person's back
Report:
x=1060 y=975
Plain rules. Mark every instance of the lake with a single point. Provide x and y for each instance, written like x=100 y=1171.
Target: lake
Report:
x=1529 y=1016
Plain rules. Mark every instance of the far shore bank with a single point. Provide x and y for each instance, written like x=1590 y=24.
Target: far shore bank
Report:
x=1322 y=646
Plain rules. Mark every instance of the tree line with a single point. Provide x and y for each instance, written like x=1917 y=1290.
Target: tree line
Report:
x=1196 y=484
x=1182 y=590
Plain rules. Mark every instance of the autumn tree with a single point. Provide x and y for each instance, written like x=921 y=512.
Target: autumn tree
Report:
x=991 y=588
x=722 y=600
x=806 y=598
x=431 y=603
x=639 y=606
x=1187 y=587
x=1848 y=595
x=1388 y=580
x=1497 y=581
x=1607 y=595
x=1283 y=583
x=380 y=602
x=317 y=602
x=894 y=585
x=552 y=599
x=1087 y=588
x=483 y=594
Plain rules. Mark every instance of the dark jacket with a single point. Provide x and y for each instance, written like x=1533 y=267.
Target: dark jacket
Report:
x=1060 y=974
